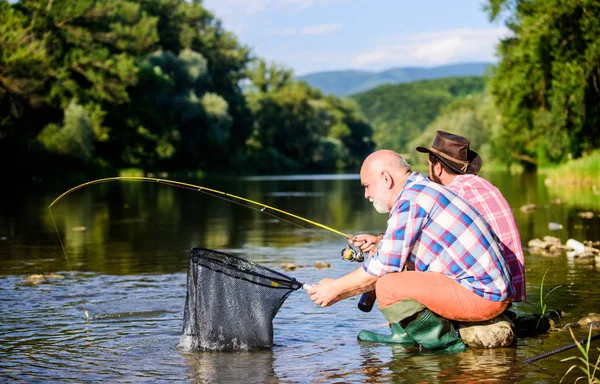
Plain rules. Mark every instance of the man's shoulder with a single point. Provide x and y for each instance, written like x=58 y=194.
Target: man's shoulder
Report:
x=422 y=187
x=472 y=182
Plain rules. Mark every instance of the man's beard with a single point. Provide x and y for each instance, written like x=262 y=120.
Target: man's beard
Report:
x=379 y=207
x=434 y=177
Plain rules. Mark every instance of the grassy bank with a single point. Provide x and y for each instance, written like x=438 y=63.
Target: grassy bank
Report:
x=583 y=172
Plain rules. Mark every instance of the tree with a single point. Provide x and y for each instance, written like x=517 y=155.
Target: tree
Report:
x=547 y=84
x=24 y=69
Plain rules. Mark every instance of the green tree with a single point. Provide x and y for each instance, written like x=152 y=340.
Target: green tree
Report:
x=400 y=113
x=24 y=69
x=74 y=139
x=296 y=127
x=546 y=83
x=472 y=117
x=175 y=120
x=187 y=25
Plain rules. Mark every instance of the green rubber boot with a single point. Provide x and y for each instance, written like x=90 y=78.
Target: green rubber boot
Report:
x=395 y=313
x=398 y=336
x=433 y=332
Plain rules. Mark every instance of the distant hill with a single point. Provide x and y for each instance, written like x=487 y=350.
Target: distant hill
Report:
x=345 y=83
x=401 y=112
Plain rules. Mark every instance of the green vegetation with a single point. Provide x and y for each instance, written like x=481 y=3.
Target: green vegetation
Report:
x=92 y=86
x=582 y=171
x=546 y=83
x=99 y=85
x=587 y=367
x=400 y=113
x=543 y=308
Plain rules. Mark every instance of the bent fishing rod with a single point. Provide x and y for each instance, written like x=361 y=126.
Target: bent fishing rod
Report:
x=348 y=253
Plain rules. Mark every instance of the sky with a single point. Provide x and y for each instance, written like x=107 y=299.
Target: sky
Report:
x=322 y=35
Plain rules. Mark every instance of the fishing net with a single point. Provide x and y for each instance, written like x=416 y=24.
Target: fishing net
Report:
x=231 y=302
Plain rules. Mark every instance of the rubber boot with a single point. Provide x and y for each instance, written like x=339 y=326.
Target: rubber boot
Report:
x=398 y=336
x=394 y=313
x=433 y=332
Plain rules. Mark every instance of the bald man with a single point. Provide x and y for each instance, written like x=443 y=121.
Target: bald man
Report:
x=437 y=261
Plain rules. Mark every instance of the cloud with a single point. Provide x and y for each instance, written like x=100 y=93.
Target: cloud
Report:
x=237 y=9
x=321 y=29
x=435 y=48
x=304 y=4
x=312 y=30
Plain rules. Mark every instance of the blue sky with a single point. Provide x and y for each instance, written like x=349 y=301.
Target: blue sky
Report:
x=318 y=35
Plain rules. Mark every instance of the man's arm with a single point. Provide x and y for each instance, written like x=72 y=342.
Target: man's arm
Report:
x=330 y=291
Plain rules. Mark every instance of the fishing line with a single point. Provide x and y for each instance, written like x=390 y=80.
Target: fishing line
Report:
x=348 y=253
x=87 y=317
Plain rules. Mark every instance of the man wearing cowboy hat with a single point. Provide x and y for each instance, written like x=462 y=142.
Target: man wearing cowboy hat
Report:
x=453 y=164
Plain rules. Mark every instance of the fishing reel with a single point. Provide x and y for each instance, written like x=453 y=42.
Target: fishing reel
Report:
x=350 y=254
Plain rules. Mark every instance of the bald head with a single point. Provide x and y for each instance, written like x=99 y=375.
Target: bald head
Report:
x=383 y=175
x=385 y=160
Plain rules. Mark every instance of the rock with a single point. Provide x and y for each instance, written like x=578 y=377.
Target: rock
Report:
x=322 y=264
x=586 y=215
x=495 y=333
x=549 y=246
x=528 y=207
x=34 y=278
x=53 y=275
x=571 y=325
x=531 y=325
x=593 y=325
x=590 y=318
x=288 y=266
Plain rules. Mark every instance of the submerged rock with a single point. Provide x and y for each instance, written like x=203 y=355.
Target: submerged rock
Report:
x=548 y=246
x=322 y=264
x=288 y=266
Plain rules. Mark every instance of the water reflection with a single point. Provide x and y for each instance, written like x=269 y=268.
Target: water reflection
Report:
x=128 y=246
x=219 y=367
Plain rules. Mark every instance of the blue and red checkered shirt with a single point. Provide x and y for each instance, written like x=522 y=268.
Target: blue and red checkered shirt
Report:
x=432 y=229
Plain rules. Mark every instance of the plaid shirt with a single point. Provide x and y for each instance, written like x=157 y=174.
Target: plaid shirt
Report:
x=494 y=208
x=432 y=229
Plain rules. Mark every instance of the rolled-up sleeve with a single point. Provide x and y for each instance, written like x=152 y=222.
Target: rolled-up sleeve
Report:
x=404 y=224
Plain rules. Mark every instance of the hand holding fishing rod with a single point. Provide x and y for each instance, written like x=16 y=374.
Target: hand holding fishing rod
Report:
x=365 y=243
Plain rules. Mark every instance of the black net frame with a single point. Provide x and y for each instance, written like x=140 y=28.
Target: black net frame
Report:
x=231 y=302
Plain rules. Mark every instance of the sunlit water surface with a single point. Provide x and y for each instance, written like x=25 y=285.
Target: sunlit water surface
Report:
x=127 y=248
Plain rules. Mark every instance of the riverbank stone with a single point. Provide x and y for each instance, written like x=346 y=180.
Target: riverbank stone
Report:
x=495 y=333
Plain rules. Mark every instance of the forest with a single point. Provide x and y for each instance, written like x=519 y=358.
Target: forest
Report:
x=98 y=86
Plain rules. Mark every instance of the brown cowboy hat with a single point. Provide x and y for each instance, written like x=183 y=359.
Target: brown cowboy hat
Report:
x=453 y=150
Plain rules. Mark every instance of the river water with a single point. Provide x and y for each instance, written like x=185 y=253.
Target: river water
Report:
x=127 y=247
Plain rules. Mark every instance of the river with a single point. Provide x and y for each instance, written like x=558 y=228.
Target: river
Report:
x=127 y=246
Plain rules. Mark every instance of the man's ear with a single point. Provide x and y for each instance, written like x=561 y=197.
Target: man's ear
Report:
x=438 y=169
x=387 y=177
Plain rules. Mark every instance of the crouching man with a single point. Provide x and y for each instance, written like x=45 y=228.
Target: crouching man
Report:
x=438 y=260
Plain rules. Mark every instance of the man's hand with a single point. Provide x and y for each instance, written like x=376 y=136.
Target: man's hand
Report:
x=365 y=242
x=324 y=293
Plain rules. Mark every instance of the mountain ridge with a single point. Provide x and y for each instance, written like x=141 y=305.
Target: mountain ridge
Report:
x=348 y=82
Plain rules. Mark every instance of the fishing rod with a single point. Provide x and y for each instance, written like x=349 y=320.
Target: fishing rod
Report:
x=348 y=253
x=561 y=349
